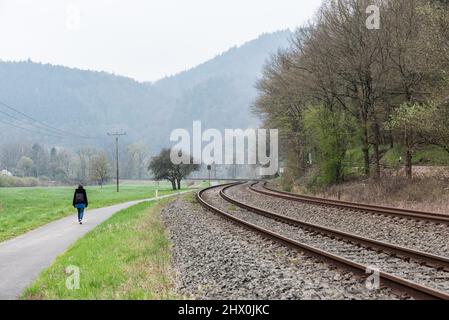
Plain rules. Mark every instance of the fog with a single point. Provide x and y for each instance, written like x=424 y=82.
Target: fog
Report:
x=145 y=40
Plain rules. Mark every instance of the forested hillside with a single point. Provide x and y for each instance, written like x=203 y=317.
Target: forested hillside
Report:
x=93 y=103
x=54 y=120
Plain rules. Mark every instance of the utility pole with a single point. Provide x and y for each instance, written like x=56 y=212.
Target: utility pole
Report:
x=117 y=135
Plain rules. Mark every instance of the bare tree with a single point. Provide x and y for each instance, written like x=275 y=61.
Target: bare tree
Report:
x=84 y=156
x=337 y=62
x=25 y=166
x=280 y=103
x=408 y=123
x=10 y=155
x=138 y=155
x=100 y=169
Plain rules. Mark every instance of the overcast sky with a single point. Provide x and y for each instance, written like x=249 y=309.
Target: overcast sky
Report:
x=142 y=39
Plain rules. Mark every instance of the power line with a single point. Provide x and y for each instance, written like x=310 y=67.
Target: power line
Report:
x=30 y=130
x=23 y=121
x=42 y=124
x=14 y=117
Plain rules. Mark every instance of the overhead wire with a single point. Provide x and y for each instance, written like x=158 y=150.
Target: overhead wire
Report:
x=28 y=129
x=49 y=130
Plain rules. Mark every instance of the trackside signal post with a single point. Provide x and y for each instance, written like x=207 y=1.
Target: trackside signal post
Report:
x=117 y=135
x=209 y=168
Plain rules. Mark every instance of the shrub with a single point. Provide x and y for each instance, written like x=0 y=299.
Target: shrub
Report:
x=9 y=182
x=332 y=135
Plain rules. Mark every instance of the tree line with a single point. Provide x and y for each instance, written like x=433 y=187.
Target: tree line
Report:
x=344 y=94
x=87 y=165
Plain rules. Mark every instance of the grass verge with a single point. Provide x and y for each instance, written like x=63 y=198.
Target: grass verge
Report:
x=126 y=257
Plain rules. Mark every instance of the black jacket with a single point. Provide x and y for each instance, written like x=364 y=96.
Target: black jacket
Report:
x=80 y=197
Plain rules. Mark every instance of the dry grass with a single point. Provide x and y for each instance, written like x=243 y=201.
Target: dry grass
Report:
x=191 y=198
x=231 y=208
x=422 y=193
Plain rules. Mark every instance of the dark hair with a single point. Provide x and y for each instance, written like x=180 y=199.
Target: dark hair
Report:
x=80 y=186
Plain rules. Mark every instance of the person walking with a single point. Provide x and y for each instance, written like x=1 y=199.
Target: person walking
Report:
x=80 y=202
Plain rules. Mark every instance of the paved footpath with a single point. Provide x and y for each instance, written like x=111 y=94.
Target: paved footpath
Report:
x=23 y=258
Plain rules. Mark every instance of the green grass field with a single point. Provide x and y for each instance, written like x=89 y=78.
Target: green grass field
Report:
x=24 y=209
x=126 y=257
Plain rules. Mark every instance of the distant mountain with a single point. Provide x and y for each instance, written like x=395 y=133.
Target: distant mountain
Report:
x=218 y=92
x=237 y=61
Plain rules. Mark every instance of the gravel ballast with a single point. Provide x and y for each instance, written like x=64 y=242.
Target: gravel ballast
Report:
x=409 y=269
x=418 y=235
x=216 y=259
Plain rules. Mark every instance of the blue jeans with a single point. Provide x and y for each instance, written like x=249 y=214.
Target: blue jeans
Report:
x=80 y=208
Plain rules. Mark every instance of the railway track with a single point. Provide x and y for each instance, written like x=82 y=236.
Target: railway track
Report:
x=414 y=233
x=420 y=274
x=262 y=188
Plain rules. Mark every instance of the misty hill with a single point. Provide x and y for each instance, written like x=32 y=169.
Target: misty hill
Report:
x=218 y=92
x=238 y=61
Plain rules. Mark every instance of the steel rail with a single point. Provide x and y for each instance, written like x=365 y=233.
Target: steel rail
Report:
x=404 y=284
x=429 y=258
x=380 y=210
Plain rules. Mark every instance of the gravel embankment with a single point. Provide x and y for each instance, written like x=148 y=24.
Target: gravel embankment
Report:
x=216 y=259
x=420 y=235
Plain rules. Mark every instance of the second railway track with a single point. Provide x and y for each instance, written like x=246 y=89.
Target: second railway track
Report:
x=262 y=188
x=424 y=275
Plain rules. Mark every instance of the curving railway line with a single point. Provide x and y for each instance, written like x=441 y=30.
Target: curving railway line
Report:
x=262 y=188
x=421 y=274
